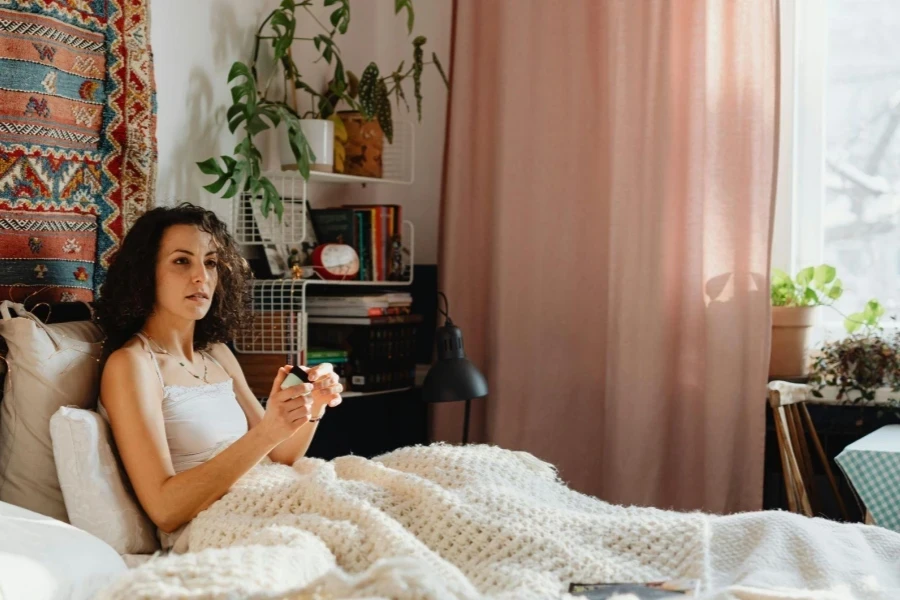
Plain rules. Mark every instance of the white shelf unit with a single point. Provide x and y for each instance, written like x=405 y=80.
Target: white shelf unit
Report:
x=278 y=324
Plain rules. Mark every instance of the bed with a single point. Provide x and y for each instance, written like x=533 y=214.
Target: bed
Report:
x=436 y=521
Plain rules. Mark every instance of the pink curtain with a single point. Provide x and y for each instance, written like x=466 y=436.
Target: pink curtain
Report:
x=608 y=194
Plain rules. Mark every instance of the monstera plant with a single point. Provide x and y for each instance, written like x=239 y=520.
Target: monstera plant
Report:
x=257 y=106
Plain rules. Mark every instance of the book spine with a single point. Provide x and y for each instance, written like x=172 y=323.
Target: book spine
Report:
x=322 y=354
x=360 y=244
x=333 y=360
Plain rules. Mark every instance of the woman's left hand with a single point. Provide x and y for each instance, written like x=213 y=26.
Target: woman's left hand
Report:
x=326 y=389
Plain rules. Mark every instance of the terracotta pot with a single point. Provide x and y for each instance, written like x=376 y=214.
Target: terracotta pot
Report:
x=791 y=334
x=365 y=142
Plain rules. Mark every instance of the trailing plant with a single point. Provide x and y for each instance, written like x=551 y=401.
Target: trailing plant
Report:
x=820 y=286
x=859 y=363
x=254 y=109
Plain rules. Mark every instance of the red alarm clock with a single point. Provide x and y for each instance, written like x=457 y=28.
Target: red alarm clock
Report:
x=335 y=261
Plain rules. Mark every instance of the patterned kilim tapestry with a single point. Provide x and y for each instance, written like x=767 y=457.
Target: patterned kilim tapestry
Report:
x=77 y=137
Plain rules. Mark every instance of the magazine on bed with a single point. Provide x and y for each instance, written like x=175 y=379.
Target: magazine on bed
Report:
x=655 y=590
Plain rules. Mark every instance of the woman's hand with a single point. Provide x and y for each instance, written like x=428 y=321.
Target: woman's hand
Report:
x=286 y=410
x=326 y=389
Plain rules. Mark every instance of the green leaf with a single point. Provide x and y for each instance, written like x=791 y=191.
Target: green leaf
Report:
x=339 y=86
x=410 y=15
x=383 y=110
x=824 y=274
x=280 y=47
x=271 y=196
x=281 y=18
x=240 y=171
x=398 y=90
x=440 y=69
x=238 y=69
x=418 y=55
x=779 y=276
x=805 y=276
x=231 y=190
x=352 y=84
x=239 y=116
x=300 y=147
x=210 y=167
x=340 y=18
x=811 y=297
x=854 y=322
x=229 y=163
x=367 y=89
x=836 y=289
x=256 y=125
x=216 y=185
x=873 y=310
x=271 y=112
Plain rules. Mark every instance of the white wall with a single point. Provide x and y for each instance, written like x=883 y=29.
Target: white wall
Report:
x=196 y=41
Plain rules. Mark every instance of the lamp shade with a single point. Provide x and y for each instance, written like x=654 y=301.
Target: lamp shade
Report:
x=453 y=377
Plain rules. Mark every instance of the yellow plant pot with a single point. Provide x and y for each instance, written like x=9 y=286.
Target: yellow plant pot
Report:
x=364 y=145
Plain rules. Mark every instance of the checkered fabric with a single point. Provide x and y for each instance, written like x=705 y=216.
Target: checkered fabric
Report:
x=872 y=465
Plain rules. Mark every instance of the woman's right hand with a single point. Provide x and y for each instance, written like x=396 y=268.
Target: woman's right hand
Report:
x=286 y=410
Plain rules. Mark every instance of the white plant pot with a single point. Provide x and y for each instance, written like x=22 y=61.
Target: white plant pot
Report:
x=320 y=134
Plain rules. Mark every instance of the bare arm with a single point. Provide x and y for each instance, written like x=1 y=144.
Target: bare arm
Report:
x=326 y=393
x=132 y=396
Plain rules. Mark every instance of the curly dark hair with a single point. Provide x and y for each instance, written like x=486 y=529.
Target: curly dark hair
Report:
x=128 y=295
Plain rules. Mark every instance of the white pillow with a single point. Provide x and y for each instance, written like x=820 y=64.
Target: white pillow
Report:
x=45 y=559
x=49 y=366
x=94 y=485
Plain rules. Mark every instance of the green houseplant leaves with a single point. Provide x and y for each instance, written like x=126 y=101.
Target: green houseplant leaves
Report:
x=820 y=286
x=254 y=110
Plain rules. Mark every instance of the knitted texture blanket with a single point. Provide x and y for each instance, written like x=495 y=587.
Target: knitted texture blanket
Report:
x=481 y=522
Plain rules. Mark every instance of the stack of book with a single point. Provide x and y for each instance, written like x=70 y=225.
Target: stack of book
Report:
x=378 y=329
x=368 y=309
x=374 y=231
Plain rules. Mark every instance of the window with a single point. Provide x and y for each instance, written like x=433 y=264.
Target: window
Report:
x=839 y=178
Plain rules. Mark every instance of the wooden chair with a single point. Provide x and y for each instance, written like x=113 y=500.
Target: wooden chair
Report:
x=792 y=426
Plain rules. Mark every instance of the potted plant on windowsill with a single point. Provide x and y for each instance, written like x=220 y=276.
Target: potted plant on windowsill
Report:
x=862 y=367
x=257 y=105
x=794 y=303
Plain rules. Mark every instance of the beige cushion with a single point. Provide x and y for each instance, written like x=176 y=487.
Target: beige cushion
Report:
x=94 y=486
x=49 y=366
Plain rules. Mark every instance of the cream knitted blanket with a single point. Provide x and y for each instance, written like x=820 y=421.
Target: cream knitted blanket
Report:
x=481 y=522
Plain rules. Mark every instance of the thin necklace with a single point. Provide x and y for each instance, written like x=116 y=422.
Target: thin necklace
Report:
x=164 y=351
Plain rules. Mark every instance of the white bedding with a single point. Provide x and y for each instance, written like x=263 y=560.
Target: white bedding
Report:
x=42 y=558
x=481 y=522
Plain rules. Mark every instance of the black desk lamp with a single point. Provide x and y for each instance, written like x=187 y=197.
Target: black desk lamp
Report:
x=453 y=377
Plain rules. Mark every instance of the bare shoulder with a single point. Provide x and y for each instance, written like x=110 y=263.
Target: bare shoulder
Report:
x=128 y=370
x=126 y=360
x=222 y=353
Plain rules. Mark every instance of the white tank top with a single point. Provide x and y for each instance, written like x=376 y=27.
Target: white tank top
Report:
x=201 y=421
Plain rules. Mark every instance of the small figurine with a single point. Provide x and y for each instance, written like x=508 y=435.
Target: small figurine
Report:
x=294 y=259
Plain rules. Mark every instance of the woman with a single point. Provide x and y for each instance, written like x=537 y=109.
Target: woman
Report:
x=186 y=424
